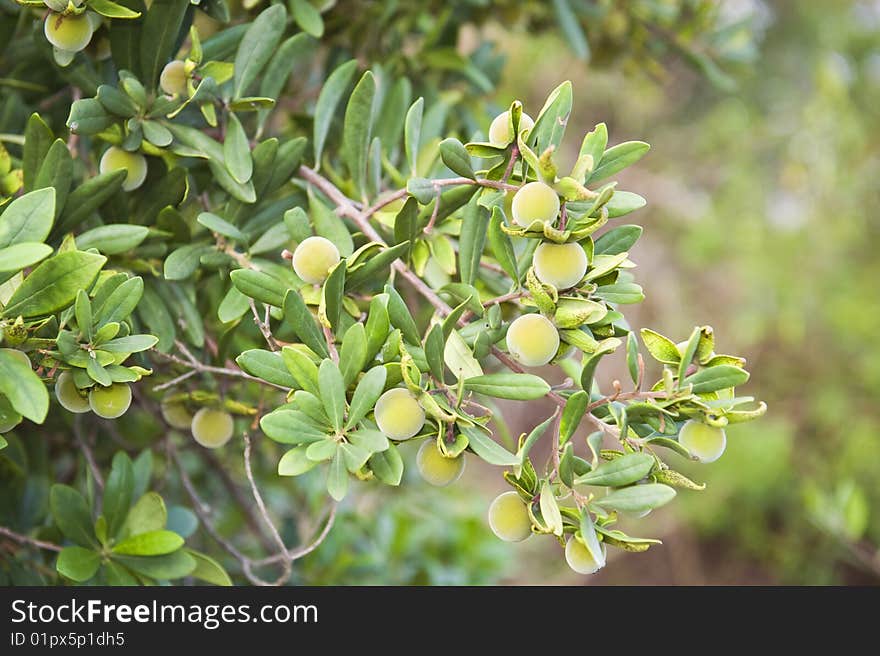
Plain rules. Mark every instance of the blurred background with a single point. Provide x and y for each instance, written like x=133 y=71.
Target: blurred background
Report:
x=762 y=189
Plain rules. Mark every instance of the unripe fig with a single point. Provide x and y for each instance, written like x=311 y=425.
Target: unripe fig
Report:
x=9 y=418
x=68 y=32
x=212 y=428
x=706 y=443
x=313 y=259
x=398 y=414
x=69 y=395
x=509 y=518
x=176 y=414
x=499 y=130
x=532 y=339
x=579 y=557
x=110 y=402
x=560 y=265
x=136 y=164
x=173 y=78
x=535 y=201
x=436 y=468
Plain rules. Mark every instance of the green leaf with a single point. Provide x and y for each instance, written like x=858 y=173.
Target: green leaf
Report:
x=307 y=17
x=159 y=35
x=371 y=440
x=112 y=10
x=130 y=344
x=259 y=286
x=617 y=158
x=675 y=479
x=687 y=356
x=119 y=305
x=78 y=564
x=302 y=368
x=387 y=465
x=237 y=151
x=88 y=117
x=266 y=365
x=406 y=224
x=291 y=427
x=37 y=142
x=624 y=202
x=21 y=255
x=637 y=498
x=487 y=448
x=256 y=48
x=460 y=359
x=72 y=515
x=575 y=407
x=146 y=515
x=295 y=462
x=156 y=133
x=456 y=158
x=22 y=387
x=590 y=539
x=291 y=53
x=472 y=241
x=184 y=261
x=550 y=124
x=222 y=227
x=329 y=224
x=332 y=386
x=367 y=392
x=661 y=348
x=716 y=378
x=56 y=173
x=332 y=295
x=208 y=569
x=624 y=292
x=118 y=492
x=434 y=346
x=170 y=566
x=522 y=387
x=502 y=247
x=571 y=28
x=337 y=477
x=400 y=316
x=88 y=197
x=113 y=239
x=356 y=130
x=550 y=509
x=412 y=131
x=28 y=218
x=632 y=357
x=353 y=353
x=618 y=240
x=297 y=315
x=325 y=108
x=152 y=543
x=624 y=470
x=376 y=266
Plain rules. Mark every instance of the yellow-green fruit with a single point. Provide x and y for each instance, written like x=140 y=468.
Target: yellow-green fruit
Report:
x=534 y=201
x=499 y=130
x=313 y=259
x=68 y=32
x=136 y=164
x=9 y=418
x=509 y=518
x=399 y=414
x=560 y=265
x=176 y=415
x=706 y=443
x=110 y=402
x=212 y=428
x=436 y=468
x=173 y=78
x=69 y=395
x=532 y=339
x=579 y=557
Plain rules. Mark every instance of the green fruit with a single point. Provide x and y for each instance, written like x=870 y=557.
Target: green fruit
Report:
x=399 y=414
x=313 y=259
x=9 y=418
x=436 y=468
x=68 y=32
x=534 y=201
x=212 y=428
x=533 y=340
x=560 y=265
x=509 y=518
x=706 y=443
x=15 y=333
x=110 y=402
x=173 y=78
x=176 y=415
x=499 y=130
x=579 y=557
x=136 y=164
x=69 y=395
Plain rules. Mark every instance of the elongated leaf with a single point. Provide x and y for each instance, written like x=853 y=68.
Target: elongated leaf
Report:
x=472 y=241
x=717 y=378
x=259 y=286
x=237 y=151
x=170 y=566
x=53 y=285
x=307 y=17
x=302 y=369
x=154 y=543
x=257 y=47
x=337 y=477
x=56 y=172
x=618 y=240
x=209 y=570
x=637 y=498
x=221 y=226
x=521 y=387
x=325 y=108
x=28 y=218
x=590 y=539
x=412 y=131
x=620 y=471
x=367 y=392
x=502 y=247
x=161 y=28
x=550 y=125
x=22 y=387
x=332 y=386
x=77 y=563
x=72 y=515
x=456 y=158
x=487 y=448
x=37 y=141
x=297 y=315
x=387 y=465
x=357 y=129
x=618 y=157
x=118 y=492
x=550 y=509
x=574 y=410
x=25 y=254
x=113 y=239
x=401 y=317
x=353 y=353
x=571 y=29
x=88 y=197
x=266 y=365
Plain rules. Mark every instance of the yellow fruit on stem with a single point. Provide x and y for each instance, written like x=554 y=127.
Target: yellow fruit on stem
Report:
x=313 y=259
x=9 y=418
x=533 y=340
x=212 y=428
x=579 y=557
x=560 y=265
x=69 y=395
x=68 y=32
x=173 y=78
x=706 y=443
x=499 y=130
x=176 y=414
x=110 y=402
x=436 y=468
x=136 y=164
x=534 y=201
x=509 y=518
x=399 y=415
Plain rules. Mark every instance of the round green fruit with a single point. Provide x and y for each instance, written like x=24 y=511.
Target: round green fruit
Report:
x=212 y=428
x=173 y=78
x=533 y=340
x=436 y=468
x=68 y=32
x=176 y=414
x=579 y=557
x=509 y=518
x=9 y=418
x=110 y=402
x=499 y=130
x=534 y=201
x=399 y=415
x=69 y=395
x=560 y=265
x=136 y=164
x=313 y=259
x=706 y=443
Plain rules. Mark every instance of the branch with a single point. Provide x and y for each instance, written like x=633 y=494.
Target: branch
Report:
x=24 y=539
x=192 y=363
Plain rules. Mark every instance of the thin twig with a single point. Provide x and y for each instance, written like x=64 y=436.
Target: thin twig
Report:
x=24 y=539
x=87 y=451
x=192 y=363
x=263 y=325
